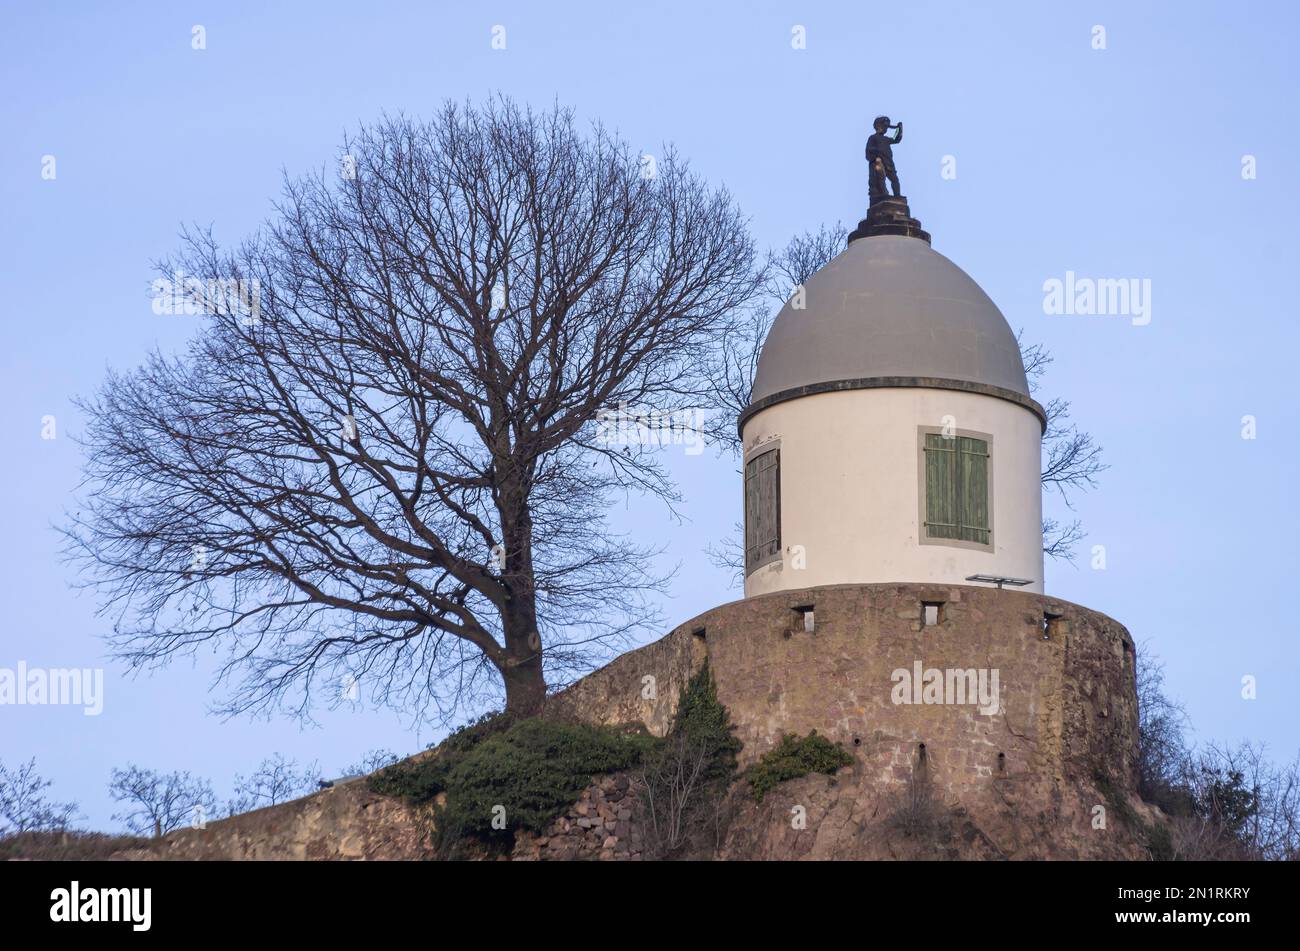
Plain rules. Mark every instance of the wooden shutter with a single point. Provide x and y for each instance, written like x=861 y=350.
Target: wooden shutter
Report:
x=941 y=514
x=957 y=488
x=973 y=477
x=762 y=509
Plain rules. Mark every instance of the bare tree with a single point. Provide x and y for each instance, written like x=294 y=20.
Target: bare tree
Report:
x=395 y=471
x=275 y=780
x=1162 y=752
x=373 y=761
x=672 y=788
x=1071 y=458
x=1275 y=832
x=683 y=786
x=1221 y=802
x=1250 y=799
x=23 y=803
x=157 y=803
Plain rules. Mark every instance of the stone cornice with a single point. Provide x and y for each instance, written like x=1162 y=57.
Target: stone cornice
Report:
x=894 y=382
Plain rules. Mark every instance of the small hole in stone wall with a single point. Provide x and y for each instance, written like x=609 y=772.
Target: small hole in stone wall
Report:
x=805 y=612
x=931 y=613
x=857 y=741
x=698 y=632
x=1002 y=762
x=920 y=752
x=1051 y=624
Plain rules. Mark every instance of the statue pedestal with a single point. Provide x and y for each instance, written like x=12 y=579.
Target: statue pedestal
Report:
x=889 y=215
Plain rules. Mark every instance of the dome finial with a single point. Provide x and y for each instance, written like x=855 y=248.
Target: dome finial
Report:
x=887 y=214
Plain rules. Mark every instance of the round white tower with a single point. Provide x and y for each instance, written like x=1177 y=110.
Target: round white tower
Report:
x=891 y=436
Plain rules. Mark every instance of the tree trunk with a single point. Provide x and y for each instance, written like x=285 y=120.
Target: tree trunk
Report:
x=525 y=687
x=525 y=682
x=522 y=672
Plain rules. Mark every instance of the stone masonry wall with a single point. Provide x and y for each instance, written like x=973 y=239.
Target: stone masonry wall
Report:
x=605 y=824
x=1023 y=780
x=1067 y=712
x=345 y=822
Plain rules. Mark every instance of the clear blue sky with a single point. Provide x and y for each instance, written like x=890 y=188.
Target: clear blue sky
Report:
x=1117 y=163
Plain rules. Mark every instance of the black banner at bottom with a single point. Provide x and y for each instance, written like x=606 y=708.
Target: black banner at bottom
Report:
x=334 y=901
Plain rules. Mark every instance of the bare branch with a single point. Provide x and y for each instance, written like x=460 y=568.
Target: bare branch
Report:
x=1059 y=539
x=804 y=256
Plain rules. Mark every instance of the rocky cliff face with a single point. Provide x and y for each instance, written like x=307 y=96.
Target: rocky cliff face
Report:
x=983 y=724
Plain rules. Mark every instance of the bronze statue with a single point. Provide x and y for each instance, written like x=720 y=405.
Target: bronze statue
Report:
x=886 y=214
x=880 y=159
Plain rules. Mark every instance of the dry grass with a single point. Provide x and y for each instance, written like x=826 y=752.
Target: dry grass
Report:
x=66 y=846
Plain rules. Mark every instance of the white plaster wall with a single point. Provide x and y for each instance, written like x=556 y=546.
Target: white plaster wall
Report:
x=850 y=488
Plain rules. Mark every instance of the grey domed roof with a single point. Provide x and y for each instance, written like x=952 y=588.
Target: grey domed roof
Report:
x=890 y=308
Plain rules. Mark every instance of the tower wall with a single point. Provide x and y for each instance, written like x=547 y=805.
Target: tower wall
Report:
x=1028 y=775
x=852 y=485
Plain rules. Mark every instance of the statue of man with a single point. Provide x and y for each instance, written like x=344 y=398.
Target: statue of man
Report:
x=880 y=158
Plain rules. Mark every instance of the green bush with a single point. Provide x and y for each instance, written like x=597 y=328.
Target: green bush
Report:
x=685 y=781
x=793 y=757
x=533 y=769
x=705 y=725
x=421 y=781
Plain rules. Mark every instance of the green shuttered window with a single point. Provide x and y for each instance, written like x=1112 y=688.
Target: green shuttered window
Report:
x=957 y=488
x=762 y=509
